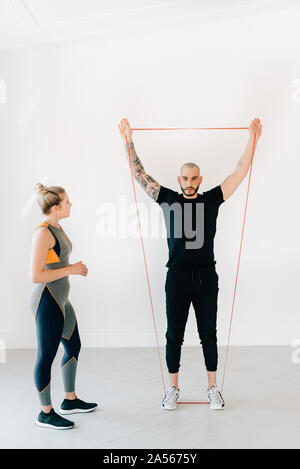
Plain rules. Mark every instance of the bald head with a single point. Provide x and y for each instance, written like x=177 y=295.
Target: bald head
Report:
x=189 y=166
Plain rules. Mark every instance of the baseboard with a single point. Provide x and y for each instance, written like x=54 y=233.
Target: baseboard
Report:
x=118 y=339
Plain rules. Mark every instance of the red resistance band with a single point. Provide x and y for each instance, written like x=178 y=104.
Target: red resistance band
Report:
x=240 y=250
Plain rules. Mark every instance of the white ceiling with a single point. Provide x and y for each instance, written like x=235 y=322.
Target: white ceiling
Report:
x=28 y=23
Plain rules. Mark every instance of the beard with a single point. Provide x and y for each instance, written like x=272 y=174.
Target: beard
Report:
x=189 y=193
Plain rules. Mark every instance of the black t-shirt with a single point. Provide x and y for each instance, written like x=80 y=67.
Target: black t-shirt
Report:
x=186 y=250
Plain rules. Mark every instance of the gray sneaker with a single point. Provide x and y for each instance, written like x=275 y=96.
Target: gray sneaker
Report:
x=215 y=398
x=171 y=397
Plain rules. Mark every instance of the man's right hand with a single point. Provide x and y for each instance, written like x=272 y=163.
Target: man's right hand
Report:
x=125 y=130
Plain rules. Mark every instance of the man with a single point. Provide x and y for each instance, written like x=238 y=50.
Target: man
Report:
x=191 y=277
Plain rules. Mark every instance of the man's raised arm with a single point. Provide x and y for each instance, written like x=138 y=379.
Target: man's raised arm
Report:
x=231 y=183
x=147 y=182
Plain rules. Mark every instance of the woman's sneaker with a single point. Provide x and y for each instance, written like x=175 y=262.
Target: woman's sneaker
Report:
x=72 y=406
x=53 y=420
x=171 y=397
x=215 y=398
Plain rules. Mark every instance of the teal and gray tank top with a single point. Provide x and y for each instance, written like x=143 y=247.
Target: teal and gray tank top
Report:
x=57 y=257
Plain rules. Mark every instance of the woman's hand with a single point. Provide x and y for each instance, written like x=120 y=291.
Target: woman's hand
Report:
x=79 y=269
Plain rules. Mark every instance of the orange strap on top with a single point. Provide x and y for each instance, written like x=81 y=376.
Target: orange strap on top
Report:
x=41 y=224
x=142 y=242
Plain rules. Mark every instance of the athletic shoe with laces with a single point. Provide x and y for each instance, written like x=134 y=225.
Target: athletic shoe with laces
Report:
x=171 y=397
x=72 y=406
x=215 y=398
x=53 y=420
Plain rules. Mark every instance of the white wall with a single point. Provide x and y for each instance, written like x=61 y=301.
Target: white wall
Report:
x=59 y=126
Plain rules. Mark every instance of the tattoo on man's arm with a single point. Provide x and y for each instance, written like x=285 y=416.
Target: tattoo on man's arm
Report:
x=147 y=182
x=136 y=163
x=153 y=191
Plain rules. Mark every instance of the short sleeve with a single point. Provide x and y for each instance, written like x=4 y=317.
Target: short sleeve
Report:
x=166 y=195
x=215 y=195
x=161 y=195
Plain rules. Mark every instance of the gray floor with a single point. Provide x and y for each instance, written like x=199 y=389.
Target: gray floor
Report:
x=261 y=391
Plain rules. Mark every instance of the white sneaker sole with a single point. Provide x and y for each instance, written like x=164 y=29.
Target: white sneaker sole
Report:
x=75 y=411
x=216 y=408
x=41 y=424
x=169 y=408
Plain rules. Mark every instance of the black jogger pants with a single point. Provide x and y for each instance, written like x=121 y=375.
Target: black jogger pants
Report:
x=198 y=286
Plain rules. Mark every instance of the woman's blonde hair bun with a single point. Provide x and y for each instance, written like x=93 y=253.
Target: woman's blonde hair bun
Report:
x=40 y=189
x=48 y=196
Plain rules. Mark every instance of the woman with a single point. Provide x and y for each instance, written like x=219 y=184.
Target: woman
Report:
x=54 y=315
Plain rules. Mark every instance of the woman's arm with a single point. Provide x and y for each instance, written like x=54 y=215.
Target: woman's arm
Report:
x=41 y=243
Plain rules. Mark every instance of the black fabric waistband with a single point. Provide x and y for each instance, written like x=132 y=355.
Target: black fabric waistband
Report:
x=193 y=267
